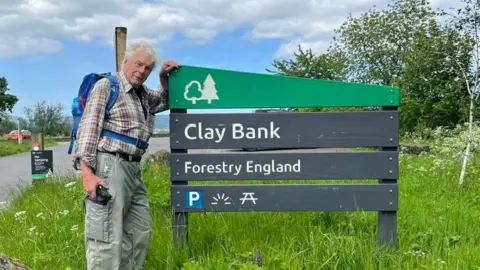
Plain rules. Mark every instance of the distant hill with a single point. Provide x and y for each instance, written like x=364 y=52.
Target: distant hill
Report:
x=162 y=122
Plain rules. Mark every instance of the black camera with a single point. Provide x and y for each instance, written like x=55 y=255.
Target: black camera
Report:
x=102 y=195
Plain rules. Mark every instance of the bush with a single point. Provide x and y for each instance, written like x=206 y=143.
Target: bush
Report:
x=448 y=142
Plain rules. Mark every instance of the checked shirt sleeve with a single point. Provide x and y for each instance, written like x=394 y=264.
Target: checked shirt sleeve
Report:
x=91 y=124
x=158 y=99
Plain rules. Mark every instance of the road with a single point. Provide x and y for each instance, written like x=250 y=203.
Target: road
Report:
x=16 y=169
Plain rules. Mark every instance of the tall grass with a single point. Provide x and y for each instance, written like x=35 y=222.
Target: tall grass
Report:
x=437 y=228
x=11 y=147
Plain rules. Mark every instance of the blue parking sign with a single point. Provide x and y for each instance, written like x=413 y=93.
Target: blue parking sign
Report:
x=194 y=199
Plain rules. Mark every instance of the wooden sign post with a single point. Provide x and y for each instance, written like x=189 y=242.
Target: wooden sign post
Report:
x=204 y=88
x=120 y=46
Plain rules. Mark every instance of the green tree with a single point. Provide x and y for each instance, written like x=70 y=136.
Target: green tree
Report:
x=467 y=22
x=305 y=64
x=9 y=123
x=401 y=45
x=433 y=92
x=65 y=127
x=7 y=101
x=6 y=124
x=375 y=43
x=46 y=118
x=327 y=66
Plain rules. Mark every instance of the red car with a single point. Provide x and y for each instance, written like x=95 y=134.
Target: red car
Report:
x=13 y=135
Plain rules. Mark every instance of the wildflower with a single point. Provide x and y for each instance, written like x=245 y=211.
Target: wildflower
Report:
x=418 y=253
x=19 y=215
x=31 y=230
x=70 y=184
x=40 y=216
x=74 y=228
x=64 y=212
x=422 y=169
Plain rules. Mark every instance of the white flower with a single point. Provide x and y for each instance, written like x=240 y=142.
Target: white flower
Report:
x=422 y=169
x=70 y=184
x=31 y=230
x=419 y=253
x=20 y=213
x=74 y=228
x=64 y=212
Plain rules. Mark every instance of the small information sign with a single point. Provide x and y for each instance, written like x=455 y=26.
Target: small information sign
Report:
x=42 y=164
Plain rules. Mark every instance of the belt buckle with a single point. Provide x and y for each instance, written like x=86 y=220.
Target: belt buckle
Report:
x=130 y=157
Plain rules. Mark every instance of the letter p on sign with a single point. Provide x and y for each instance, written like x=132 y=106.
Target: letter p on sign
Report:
x=194 y=199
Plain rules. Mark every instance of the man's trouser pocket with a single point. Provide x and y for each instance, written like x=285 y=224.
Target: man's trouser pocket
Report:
x=98 y=222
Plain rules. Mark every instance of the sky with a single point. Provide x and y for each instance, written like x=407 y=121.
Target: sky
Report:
x=47 y=46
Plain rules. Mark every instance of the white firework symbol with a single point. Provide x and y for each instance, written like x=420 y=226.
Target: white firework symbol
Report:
x=221 y=198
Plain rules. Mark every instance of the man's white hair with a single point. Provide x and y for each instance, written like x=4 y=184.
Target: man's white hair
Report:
x=142 y=46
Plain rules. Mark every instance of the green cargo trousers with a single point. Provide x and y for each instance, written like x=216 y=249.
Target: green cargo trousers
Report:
x=117 y=235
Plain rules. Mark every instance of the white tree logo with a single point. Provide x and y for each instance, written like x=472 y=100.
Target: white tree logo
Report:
x=208 y=91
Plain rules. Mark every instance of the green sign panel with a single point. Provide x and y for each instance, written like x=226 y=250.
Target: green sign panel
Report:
x=205 y=88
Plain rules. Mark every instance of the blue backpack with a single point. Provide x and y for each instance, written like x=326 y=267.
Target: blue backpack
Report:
x=79 y=103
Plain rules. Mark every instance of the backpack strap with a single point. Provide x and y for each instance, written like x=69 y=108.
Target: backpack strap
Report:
x=126 y=139
x=114 y=91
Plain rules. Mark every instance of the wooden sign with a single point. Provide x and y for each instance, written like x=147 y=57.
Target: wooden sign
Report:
x=286 y=166
x=283 y=130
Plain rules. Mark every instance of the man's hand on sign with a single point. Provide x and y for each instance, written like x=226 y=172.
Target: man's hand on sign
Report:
x=167 y=67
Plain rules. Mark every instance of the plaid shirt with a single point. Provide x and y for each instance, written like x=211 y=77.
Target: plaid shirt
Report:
x=127 y=117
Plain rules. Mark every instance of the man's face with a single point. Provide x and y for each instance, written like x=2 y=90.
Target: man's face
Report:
x=137 y=68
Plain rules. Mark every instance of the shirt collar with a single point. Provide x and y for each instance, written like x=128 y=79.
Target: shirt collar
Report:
x=126 y=86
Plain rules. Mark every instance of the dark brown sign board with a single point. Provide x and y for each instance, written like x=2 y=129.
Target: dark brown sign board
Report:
x=284 y=130
x=286 y=166
x=305 y=197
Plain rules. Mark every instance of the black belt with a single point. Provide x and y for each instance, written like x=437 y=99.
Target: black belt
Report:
x=125 y=156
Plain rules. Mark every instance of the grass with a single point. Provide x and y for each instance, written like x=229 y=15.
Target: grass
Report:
x=11 y=147
x=437 y=228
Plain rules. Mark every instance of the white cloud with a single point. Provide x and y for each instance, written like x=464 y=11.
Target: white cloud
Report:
x=27 y=46
x=290 y=47
x=35 y=26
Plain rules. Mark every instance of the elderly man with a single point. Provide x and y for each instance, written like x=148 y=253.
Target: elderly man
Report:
x=117 y=234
